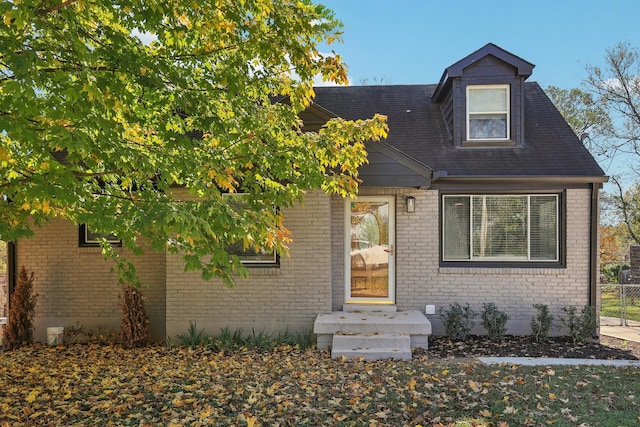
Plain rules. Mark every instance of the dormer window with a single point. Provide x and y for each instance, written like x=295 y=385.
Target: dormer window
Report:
x=488 y=113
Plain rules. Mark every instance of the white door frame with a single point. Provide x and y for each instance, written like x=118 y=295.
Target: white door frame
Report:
x=392 y=251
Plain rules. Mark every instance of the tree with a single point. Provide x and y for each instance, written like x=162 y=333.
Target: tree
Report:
x=587 y=117
x=617 y=88
x=625 y=205
x=106 y=107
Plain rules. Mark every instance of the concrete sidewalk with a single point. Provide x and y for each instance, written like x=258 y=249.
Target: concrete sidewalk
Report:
x=548 y=361
x=611 y=328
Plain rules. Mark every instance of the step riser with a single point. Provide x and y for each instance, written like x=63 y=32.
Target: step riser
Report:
x=375 y=341
x=372 y=355
x=371 y=347
x=410 y=323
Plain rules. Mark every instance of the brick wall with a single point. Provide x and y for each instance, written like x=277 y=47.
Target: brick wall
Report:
x=420 y=280
x=634 y=261
x=270 y=300
x=76 y=286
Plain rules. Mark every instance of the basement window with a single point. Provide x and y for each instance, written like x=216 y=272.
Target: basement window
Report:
x=88 y=238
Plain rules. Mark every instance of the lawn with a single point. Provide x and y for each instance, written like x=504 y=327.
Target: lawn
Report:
x=611 y=303
x=91 y=384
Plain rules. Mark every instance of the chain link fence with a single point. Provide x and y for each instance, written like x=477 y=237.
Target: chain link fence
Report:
x=620 y=304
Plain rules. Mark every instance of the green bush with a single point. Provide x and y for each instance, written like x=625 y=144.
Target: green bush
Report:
x=193 y=338
x=583 y=326
x=236 y=340
x=458 y=321
x=541 y=323
x=494 y=321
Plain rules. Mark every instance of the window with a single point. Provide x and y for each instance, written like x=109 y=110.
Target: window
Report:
x=500 y=228
x=89 y=238
x=249 y=256
x=488 y=112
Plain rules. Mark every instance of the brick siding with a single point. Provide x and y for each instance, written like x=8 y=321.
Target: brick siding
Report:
x=271 y=299
x=75 y=284
x=420 y=280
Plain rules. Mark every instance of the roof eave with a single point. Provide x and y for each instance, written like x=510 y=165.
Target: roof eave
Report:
x=441 y=180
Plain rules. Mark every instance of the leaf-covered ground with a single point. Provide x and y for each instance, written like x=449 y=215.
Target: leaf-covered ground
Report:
x=524 y=346
x=88 y=384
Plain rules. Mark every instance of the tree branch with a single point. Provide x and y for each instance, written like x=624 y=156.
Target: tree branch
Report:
x=40 y=12
x=625 y=209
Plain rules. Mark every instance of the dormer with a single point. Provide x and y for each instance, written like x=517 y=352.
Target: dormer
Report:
x=482 y=99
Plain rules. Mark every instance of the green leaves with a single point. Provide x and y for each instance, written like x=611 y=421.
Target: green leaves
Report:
x=104 y=107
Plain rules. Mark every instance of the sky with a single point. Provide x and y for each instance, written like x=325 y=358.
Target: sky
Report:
x=413 y=41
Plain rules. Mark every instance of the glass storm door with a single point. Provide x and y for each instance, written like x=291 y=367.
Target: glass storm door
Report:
x=370 y=248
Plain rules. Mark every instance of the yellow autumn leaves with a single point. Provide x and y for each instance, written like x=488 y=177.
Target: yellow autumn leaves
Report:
x=107 y=385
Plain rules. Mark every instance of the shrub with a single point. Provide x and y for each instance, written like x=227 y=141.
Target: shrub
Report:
x=236 y=340
x=193 y=338
x=494 y=321
x=581 y=327
x=22 y=305
x=134 y=325
x=541 y=323
x=458 y=321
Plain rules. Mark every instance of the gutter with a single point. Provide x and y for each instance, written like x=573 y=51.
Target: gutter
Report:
x=443 y=181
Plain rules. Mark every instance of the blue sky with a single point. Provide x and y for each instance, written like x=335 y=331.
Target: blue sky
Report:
x=412 y=41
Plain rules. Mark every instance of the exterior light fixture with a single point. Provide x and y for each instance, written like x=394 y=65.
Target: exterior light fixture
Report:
x=411 y=204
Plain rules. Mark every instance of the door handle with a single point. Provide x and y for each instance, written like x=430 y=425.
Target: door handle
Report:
x=390 y=250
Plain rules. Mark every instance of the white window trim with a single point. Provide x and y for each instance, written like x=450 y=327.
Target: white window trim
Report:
x=503 y=259
x=507 y=112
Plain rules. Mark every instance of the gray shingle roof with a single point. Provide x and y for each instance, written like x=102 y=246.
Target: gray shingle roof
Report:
x=416 y=128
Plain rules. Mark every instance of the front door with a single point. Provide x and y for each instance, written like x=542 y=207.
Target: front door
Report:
x=370 y=249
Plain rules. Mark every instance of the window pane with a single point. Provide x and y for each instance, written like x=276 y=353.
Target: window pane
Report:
x=249 y=254
x=544 y=228
x=486 y=100
x=456 y=228
x=500 y=227
x=488 y=126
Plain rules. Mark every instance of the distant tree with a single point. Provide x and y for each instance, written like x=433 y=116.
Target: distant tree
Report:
x=608 y=110
x=616 y=87
x=586 y=116
x=107 y=106
x=625 y=204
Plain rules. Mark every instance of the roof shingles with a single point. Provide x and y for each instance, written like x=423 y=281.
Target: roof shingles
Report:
x=416 y=127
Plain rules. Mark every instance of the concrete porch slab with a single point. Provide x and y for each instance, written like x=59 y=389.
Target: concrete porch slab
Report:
x=401 y=322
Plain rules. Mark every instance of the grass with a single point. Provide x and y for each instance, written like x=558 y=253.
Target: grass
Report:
x=100 y=385
x=611 y=303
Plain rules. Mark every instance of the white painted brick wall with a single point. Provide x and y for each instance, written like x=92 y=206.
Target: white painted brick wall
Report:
x=76 y=286
x=270 y=300
x=420 y=280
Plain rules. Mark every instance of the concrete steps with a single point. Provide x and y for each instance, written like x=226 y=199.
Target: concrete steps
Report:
x=372 y=334
x=371 y=346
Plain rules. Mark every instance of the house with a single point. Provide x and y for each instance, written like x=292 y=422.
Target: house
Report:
x=481 y=193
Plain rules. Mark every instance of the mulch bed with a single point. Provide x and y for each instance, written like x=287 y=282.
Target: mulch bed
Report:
x=512 y=346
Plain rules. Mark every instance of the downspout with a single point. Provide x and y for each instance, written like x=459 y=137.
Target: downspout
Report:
x=11 y=267
x=594 y=246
